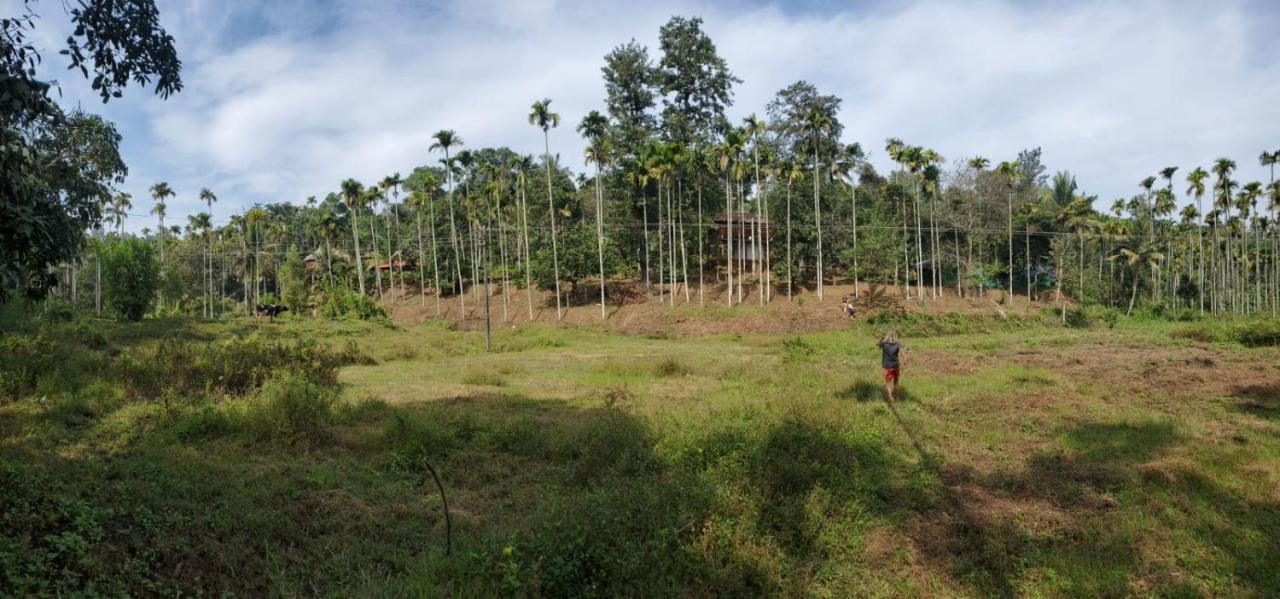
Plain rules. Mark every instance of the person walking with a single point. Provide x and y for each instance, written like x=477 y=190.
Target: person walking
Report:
x=891 y=360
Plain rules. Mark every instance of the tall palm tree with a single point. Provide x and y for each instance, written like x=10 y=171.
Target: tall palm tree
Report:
x=594 y=127
x=853 y=157
x=208 y=198
x=1196 y=188
x=817 y=122
x=1223 y=187
x=445 y=139
x=1246 y=204
x=392 y=183
x=416 y=200
x=523 y=165
x=202 y=224
x=543 y=118
x=979 y=166
x=1011 y=172
x=753 y=126
x=792 y=171
x=159 y=192
x=353 y=196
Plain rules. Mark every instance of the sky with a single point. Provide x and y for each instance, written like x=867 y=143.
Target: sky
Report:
x=284 y=99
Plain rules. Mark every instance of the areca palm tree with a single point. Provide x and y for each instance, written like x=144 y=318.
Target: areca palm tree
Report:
x=791 y=171
x=1011 y=173
x=853 y=157
x=753 y=127
x=202 y=224
x=594 y=127
x=208 y=198
x=979 y=165
x=1223 y=188
x=353 y=196
x=1196 y=188
x=523 y=165
x=159 y=192
x=817 y=122
x=392 y=183
x=542 y=117
x=445 y=139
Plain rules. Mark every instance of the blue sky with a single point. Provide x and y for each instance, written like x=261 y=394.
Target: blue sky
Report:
x=286 y=98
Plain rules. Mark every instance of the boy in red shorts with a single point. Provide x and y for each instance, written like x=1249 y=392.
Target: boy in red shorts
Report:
x=891 y=360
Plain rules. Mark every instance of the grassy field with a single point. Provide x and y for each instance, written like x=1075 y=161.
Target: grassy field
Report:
x=292 y=458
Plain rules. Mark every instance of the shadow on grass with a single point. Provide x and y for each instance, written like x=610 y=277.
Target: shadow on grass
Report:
x=1262 y=400
x=863 y=390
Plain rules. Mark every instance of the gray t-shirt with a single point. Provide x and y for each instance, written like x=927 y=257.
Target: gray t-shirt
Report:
x=889 y=354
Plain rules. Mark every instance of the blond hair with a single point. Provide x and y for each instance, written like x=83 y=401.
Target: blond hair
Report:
x=889 y=337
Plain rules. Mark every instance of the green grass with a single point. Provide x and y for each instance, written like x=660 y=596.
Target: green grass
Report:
x=180 y=456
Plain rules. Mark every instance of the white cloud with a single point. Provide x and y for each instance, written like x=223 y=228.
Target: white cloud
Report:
x=284 y=102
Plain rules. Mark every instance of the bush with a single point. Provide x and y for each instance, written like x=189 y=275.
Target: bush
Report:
x=235 y=366
x=1264 y=333
x=1083 y=317
x=58 y=310
x=89 y=335
x=130 y=277
x=341 y=303
x=290 y=406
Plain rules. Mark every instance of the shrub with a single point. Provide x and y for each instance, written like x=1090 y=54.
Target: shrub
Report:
x=290 y=406
x=1083 y=317
x=341 y=303
x=57 y=310
x=130 y=276
x=671 y=367
x=89 y=335
x=235 y=366
x=795 y=350
x=1264 y=333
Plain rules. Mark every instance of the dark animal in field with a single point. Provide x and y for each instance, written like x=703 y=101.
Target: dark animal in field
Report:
x=271 y=310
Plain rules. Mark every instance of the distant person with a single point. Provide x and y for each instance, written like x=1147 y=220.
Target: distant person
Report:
x=891 y=361
x=846 y=307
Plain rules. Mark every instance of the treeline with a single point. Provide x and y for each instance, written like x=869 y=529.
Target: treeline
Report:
x=702 y=209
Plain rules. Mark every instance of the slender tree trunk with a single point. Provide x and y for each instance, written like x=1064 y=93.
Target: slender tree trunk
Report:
x=728 y=202
x=789 y=261
x=684 y=253
x=528 y=266
x=644 y=209
x=1010 y=226
x=702 y=261
x=817 y=214
x=600 y=238
x=853 y=194
x=662 y=248
x=422 y=259
x=455 y=243
x=377 y=268
x=502 y=249
x=551 y=205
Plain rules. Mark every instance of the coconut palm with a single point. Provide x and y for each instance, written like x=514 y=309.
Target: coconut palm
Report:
x=1141 y=257
x=853 y=157
x=594 y=127
x=542 y=117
